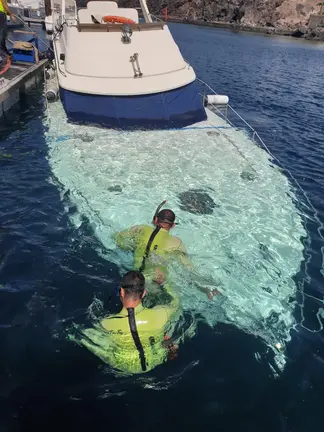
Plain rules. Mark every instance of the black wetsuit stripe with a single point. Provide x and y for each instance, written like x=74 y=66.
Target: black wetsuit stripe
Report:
x=136 y=339
x=148 y=247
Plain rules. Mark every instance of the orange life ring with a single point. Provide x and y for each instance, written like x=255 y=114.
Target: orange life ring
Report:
x=117 y=19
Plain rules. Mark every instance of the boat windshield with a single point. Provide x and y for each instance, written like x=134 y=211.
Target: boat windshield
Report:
x=70 y=8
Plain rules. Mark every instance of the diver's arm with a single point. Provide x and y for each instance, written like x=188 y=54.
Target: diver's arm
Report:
x=183 y=256
x=196 y=279
x=6 y=7
x=186 y=261
x=202 y=284
x=125 y=239
x=210 y=293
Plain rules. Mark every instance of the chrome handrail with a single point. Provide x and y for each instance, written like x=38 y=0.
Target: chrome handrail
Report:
x=258 y=140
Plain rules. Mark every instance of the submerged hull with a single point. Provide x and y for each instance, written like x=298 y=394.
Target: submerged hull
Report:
x=236 y=211
x=171 y=109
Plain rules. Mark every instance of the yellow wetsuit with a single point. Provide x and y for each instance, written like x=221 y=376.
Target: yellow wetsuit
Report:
x=2 y=9
x=162 y=248
x=111 y=339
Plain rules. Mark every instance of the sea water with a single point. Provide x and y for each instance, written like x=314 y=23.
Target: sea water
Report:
x=249 y=245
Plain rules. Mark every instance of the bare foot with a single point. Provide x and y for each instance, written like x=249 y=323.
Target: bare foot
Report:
x=172 y=347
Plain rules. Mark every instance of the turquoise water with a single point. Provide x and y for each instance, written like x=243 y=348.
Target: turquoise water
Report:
x=251 y=243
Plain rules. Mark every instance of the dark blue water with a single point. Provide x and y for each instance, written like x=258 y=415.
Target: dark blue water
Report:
x=49 y=273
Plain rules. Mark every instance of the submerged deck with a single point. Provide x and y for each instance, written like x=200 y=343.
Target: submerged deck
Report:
x=17 y=81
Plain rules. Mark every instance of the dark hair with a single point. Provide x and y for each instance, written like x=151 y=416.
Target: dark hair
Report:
x=133 y=283
x=166 y=216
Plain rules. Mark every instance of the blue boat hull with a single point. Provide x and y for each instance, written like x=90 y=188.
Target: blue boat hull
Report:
x=172 y=109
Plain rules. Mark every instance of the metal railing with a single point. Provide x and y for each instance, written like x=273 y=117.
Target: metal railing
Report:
x=259 y=141
x=232 y=110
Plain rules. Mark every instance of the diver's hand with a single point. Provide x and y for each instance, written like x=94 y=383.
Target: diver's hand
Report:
x=211 y=293
x=13 y=18
x=172 y=348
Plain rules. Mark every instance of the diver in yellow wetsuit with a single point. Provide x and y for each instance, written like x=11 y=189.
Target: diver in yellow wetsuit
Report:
x=134 y=340
x=154 y=247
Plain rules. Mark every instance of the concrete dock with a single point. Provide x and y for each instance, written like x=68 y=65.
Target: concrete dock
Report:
x=20 y=78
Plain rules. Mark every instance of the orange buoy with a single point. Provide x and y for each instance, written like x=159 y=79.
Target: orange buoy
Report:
x=117 y=19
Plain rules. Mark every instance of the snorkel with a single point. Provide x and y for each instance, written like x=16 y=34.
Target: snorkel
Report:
x=158 y=209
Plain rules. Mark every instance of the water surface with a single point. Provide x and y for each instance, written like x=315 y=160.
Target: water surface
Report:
x=49 y=272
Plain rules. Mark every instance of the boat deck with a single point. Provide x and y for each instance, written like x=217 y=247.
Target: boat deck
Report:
x=18 y=80
x=35 y=21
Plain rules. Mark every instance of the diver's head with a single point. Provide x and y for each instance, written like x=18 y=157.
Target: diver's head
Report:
x=165 y=219
x=132 y=289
